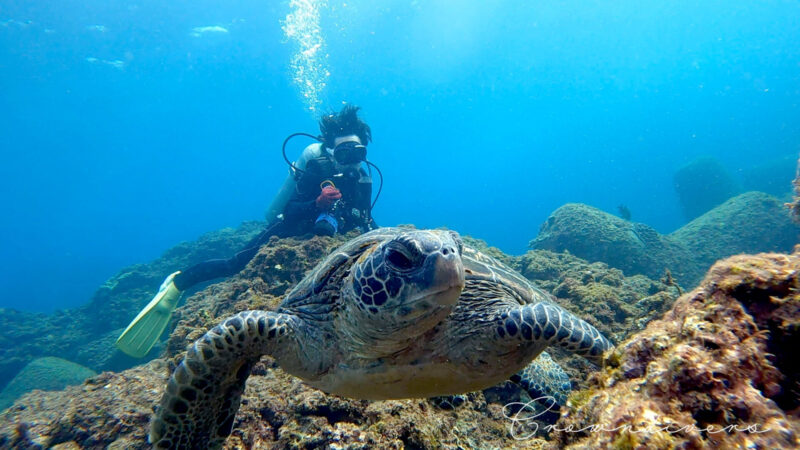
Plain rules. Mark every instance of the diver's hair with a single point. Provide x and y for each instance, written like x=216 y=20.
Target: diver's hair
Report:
x=343 y=124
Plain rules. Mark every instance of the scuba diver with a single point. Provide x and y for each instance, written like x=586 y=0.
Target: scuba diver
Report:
x=327 y=192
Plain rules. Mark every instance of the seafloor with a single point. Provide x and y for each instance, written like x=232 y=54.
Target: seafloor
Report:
x=715 y=367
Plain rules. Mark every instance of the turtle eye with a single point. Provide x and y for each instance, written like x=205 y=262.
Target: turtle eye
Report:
x=399 y=259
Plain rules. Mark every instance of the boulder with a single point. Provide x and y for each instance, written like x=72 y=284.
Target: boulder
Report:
x=595 y=235
x=748 y=223
x=47 y=374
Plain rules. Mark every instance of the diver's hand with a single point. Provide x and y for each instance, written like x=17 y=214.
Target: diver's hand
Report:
x=327 y=197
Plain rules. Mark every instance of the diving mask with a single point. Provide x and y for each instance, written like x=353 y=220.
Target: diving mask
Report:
x=349 y=152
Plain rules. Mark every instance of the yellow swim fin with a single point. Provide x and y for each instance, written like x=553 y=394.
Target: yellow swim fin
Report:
x=145 y=329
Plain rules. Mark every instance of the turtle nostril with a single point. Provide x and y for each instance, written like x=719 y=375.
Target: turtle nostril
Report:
x=449 y=250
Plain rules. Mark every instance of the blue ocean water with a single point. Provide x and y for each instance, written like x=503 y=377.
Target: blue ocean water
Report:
x=129 y=126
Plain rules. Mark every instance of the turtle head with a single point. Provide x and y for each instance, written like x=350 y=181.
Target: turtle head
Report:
x=404 y=286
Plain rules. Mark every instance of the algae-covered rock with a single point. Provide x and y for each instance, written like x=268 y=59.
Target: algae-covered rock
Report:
x=603 y=296
x=47 y=374
x=85 y=334
x=719 y=370
x=595 y=235
x=110 y=410
x=749 y=223
x=616 y=305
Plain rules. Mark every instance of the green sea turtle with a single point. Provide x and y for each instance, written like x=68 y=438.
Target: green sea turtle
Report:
x=394 y=313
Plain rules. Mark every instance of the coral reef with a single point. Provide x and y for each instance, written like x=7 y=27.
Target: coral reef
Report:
x=749 y=223
x=723 y=358
x=703 y=184
x=279 y=411
x=86 y=335
x=48 y=374
x=706 y=363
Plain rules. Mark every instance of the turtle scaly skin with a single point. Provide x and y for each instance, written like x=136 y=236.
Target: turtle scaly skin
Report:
x=393 y=313
x=212 y=378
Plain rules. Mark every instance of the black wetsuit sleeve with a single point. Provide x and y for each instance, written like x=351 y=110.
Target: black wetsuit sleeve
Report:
x=299 y=211
x=216 y=268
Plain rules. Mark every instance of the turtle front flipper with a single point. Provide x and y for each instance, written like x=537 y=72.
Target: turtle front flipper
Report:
x=204 y=392
x=547 y=324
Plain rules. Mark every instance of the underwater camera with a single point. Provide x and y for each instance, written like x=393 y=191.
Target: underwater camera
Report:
x=326 y=223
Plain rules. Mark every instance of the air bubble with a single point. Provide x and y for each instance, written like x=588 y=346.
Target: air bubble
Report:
x=309 y=65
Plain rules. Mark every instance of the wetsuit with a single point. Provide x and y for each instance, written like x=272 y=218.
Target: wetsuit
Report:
x=300 y=216
x=352 y=211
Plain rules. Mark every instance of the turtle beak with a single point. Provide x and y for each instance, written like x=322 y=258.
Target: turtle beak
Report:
x=448 y=279
x=449 y=274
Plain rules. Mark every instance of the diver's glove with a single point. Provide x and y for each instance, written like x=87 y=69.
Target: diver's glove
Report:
x=328 y=197
x=145 y=329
